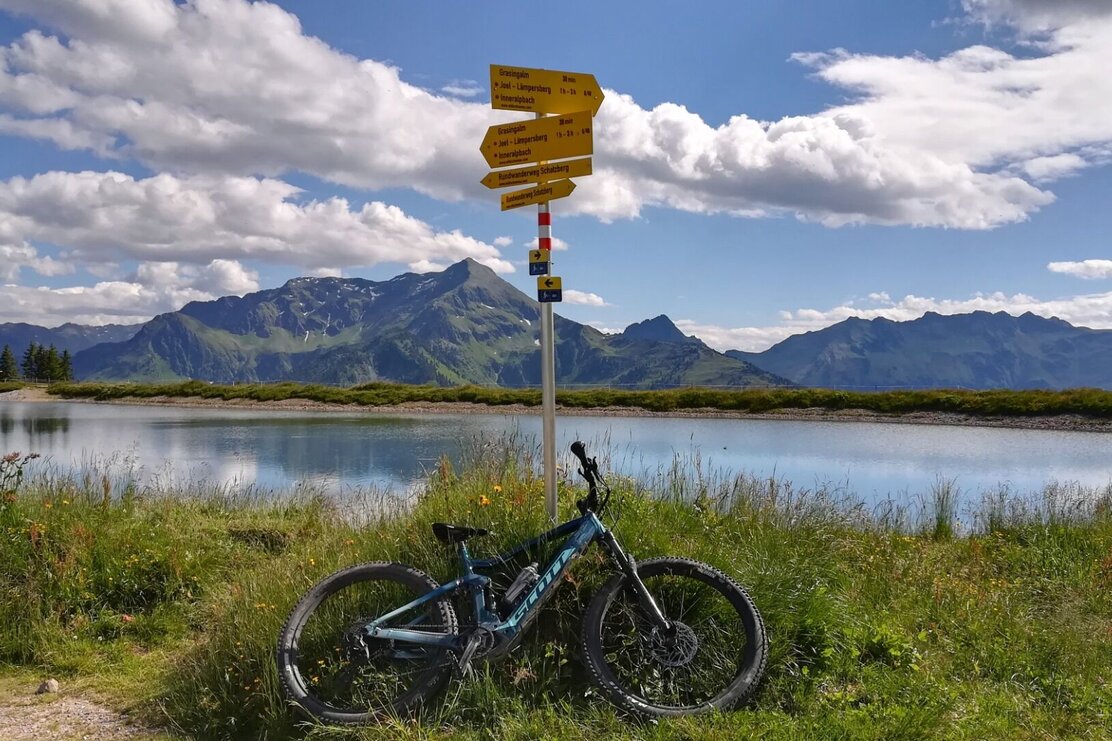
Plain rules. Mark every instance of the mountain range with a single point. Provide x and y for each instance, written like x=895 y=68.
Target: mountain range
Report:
x=980 y=350
x=462 y=325
x=72 y=337
x=467 y=325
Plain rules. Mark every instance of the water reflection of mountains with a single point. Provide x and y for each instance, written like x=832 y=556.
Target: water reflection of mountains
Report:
x=273 y=450
x=366 y=448
x=33 y=426
x=329 y=419
x=350 y=457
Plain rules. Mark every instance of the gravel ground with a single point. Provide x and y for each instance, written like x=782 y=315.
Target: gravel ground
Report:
x=25 y=716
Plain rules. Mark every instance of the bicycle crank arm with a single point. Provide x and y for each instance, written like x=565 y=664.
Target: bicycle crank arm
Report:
x=468 y=653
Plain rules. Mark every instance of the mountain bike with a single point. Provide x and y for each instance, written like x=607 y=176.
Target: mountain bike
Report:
x=661 y=637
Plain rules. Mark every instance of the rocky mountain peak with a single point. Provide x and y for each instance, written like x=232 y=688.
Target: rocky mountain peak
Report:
x=658 y=329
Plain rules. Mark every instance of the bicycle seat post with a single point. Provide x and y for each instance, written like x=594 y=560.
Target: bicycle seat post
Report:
x=464 y=558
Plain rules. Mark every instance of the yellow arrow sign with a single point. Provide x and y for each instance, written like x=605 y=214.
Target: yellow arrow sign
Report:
x=540 y=255
x=549 y=283
x=543 y=90
x=552 y=138
x=538 y=173
x=539 y=194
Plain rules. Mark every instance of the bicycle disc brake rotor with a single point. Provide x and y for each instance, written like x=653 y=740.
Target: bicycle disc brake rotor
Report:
x=355 y=641
x=677 y=649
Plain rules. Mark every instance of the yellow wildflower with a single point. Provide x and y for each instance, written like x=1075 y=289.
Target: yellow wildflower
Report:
x=484 y=500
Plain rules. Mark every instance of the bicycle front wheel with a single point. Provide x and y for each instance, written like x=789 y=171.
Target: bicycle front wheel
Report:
x=712 y=658
x=333 y=672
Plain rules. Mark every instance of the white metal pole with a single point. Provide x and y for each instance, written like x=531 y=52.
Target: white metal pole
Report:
x=548 y=370
x=548 y=375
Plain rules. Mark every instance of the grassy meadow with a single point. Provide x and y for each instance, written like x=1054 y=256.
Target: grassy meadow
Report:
x=885 y=623
x=1094 y=403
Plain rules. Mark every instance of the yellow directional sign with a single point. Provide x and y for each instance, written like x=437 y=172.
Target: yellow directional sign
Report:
x=549 y=290
x=543 y=90
x=551 y=138
x=539 y=194
x=538 y=173
x=540 y=262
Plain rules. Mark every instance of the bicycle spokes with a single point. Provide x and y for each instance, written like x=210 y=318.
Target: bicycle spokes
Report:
x=345 y=668
x=685 y=665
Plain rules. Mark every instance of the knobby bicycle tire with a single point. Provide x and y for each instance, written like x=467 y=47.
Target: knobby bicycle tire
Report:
x=616 y=632
x=307 y=678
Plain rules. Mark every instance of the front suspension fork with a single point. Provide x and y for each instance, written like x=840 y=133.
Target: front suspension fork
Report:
x=628 y=565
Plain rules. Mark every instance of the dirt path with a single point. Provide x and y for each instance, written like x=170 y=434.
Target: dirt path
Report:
x=1058 y=422
x=25 y=716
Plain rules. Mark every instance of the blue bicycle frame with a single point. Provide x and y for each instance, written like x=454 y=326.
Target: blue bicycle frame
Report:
x=583 y=530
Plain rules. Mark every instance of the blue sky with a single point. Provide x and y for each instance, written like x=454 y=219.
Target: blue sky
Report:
x=761 y=168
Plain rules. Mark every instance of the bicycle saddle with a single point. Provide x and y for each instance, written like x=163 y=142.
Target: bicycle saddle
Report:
x=455 y=533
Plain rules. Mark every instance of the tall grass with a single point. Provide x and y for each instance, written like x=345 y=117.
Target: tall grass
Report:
x=1094 y=403
x=942 y=507
x=880 y=627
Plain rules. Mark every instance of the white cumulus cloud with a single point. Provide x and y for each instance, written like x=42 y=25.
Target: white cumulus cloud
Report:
x=558 y=245
x=573 y=296
x=920 y=144
x=15 y=257
x=1088 y=269
x=464 y=88
x=1035 y=15
x=111 y=216
x=154 y=288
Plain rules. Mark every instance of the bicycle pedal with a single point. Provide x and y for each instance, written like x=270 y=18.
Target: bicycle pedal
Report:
x=468 y=653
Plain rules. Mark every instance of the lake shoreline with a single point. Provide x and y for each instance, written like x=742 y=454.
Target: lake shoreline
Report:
x=1061 y=422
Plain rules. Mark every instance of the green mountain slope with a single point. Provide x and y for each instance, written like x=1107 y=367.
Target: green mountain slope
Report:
x=463 y=325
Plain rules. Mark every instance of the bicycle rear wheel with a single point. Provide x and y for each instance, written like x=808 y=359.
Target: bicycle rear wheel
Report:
x=712 y=659
x=333 y=673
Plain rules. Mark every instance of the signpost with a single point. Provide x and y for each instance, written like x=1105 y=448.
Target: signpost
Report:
x=540 y=262
x=549 y=290
x=543 y=90
x=539 y=194
x=538 y=173
x=575 y=98
x=550 y=138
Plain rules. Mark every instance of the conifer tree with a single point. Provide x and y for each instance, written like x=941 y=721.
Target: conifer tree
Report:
x=40 y=362
x=67 y=366
x=30 y=362
x=51 y=365
x=9 y=368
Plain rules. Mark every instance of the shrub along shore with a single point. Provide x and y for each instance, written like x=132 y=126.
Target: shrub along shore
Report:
x=885 y=623
x=1092 y=403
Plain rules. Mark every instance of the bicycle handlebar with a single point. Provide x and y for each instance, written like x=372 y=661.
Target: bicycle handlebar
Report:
x=579 y=450
x=589 y=471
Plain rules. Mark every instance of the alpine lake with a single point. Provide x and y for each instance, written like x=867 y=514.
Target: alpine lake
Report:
x=343 y=454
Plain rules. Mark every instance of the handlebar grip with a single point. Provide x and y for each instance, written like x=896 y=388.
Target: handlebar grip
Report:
x=580 y=452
